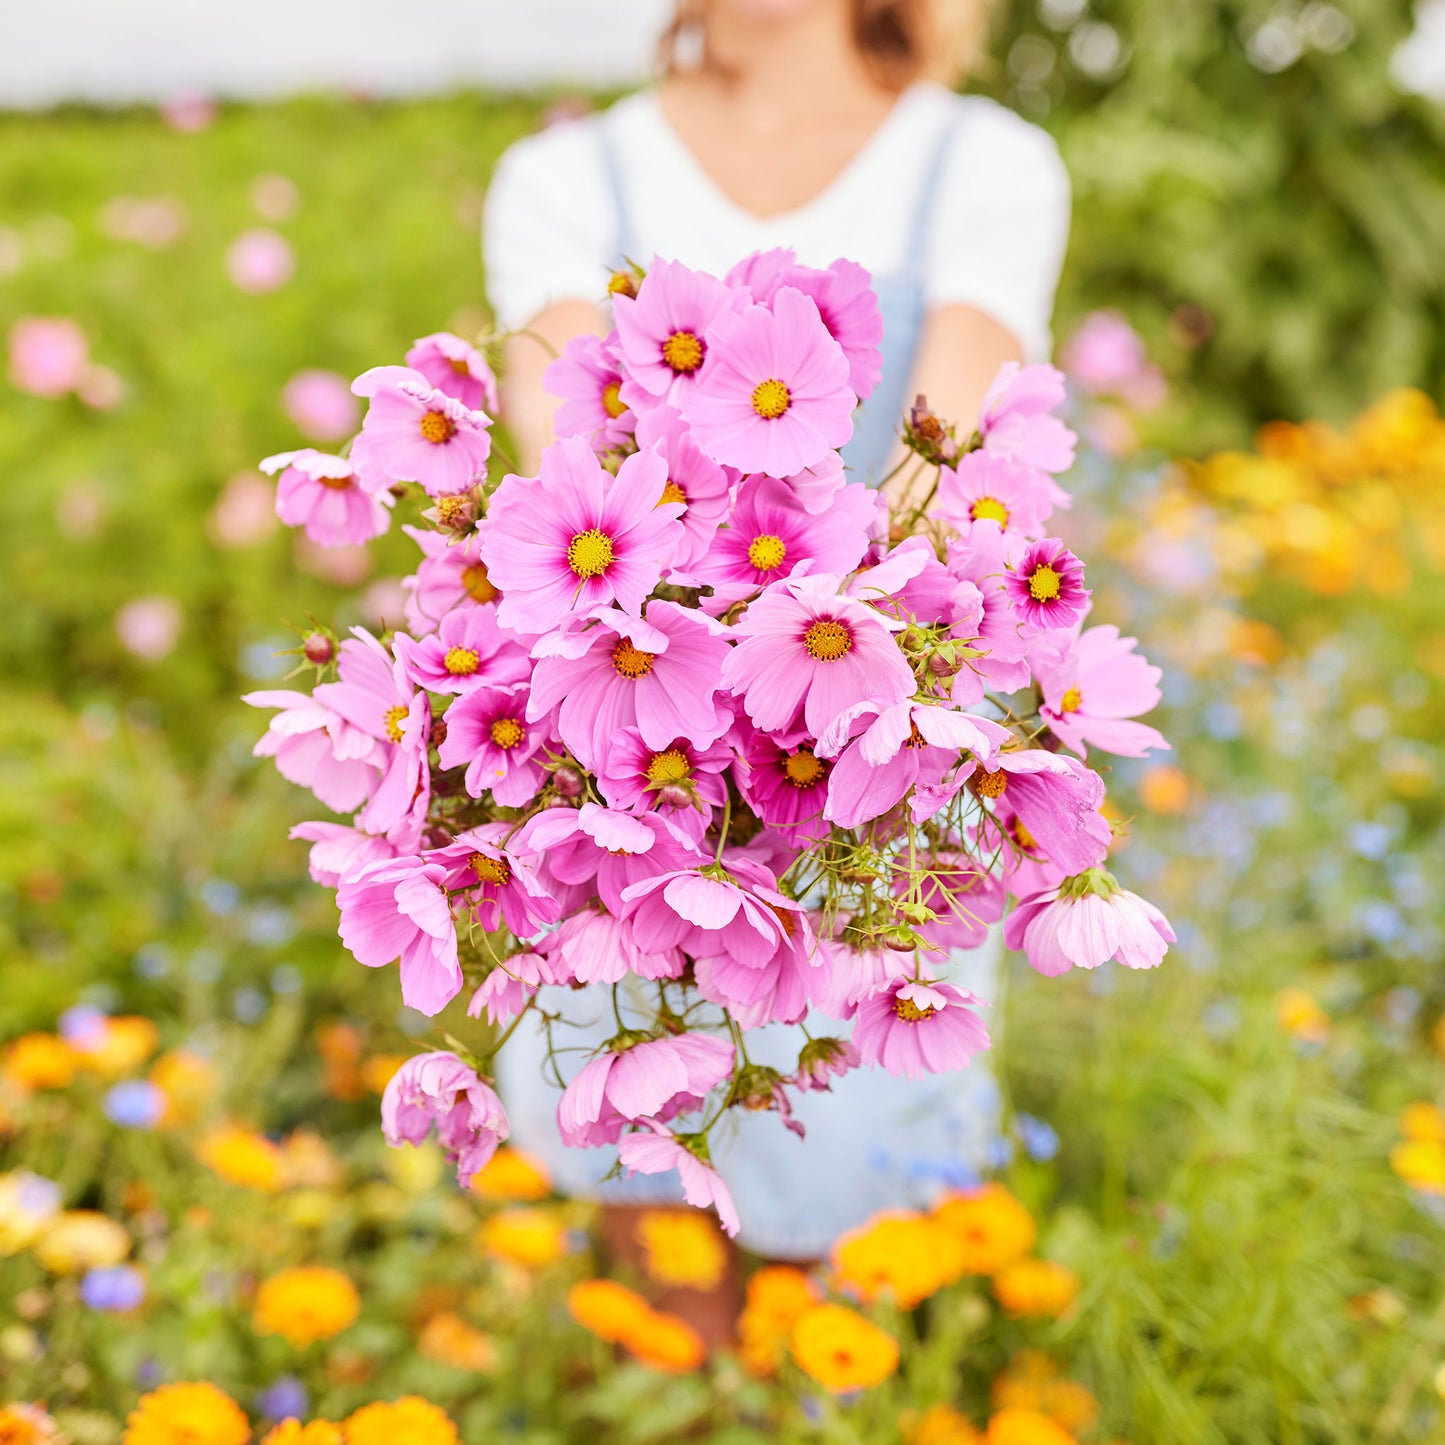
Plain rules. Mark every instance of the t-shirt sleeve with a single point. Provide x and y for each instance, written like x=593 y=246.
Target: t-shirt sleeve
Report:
x=547 y=224
x=1001 y=224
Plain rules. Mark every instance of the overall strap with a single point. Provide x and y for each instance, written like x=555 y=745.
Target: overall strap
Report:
x=616 y=188
x=916 y=255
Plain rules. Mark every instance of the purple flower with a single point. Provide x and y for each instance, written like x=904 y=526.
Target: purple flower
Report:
x=115 y=1288
x=135 y=1104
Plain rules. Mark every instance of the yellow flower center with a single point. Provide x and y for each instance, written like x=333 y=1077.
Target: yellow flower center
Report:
x=630 y=661
x=451 y=510
x=489 y=870
x=672 y=493
x=477 y=585
x=1071 y=701
x=910 y=1012
x=461 y=661
x=459 y=366
x=506 y=732
x=767 y=552
x=915 y=739
x=771 y=399
x=590 y=553
x=802 y=768
x=827 y=641
x=989 y=785
x=338 y=484
x=682 y=351
x=395 y=717
x=437 y=427
x=1044 y=584
x=989 y=509
x=612 y=402
x=669 y=767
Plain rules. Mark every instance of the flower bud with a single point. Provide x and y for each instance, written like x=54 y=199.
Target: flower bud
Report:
x=438 y=731
x=900 y=940
x=568 y=781
x=674 y=795
x=941 y=666
x=319 y=649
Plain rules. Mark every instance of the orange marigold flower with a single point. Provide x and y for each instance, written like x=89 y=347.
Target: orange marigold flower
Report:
x=899 y=1253
x=376 y=1072
x=1299 y=1014
x=38 y=1061
x=1421 y=1164
x=1424 y=1121
x=120 y=1044
x=407 y=1421
x=682 y=1247
x=186 y=1414
x=608 y=1309
x=842 y=1351
x=449 y=1339
x=777 y=1295
x=534 y=1238
x=23 y=1424
x=305 y=1305
x=1016 y=1426
x=242 y=1156
x=513 y=1176
x=994 y=1227
x=665 y=1342
x=1165 y=789
x=1036 y=1287
x=938 y=1425
x=186 y=1079
x=1032 y=1381
x=315 y=1432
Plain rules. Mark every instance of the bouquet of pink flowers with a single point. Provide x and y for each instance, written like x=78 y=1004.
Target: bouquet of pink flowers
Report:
x=690 y=707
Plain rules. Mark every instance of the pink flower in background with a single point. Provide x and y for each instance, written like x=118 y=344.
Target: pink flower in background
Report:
x=985 y=488
x=450 y=574
x=656 y=1079
x=155 y=222
x=321 y=405
x=659 y=674
x=439 y=1091
x=1046 y=586
x=260 y=261
x=383 y=602
x=806 y=652
x=100 y=388
x=774 y=396
x=918 y=1027
x=48 y=355
x=318 y=749
x=1056 y=799
x=149 y=627
x=488 y=732
x=337 y=850
x=415 y=433
x=662 y=333
x=322 y=495
x=1094 y=684
x=274 y=197
x=188 y=111
x=1106 y=356
x=245 y=512
x=1087 y=921
x=595 y=946
x=457 y=368
x=588 y=380
x=578 y=538
x=467 y=650
x=693 y=479
x=1016 y=420
x=507 y=989
x=397 y=909
x=660 y=1151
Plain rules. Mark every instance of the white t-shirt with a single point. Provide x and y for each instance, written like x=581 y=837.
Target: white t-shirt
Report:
x=995 y=233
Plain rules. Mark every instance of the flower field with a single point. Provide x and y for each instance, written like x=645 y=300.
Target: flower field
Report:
x=1218 y=1198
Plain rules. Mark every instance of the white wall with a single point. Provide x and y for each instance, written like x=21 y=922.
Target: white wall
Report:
x=115 y=51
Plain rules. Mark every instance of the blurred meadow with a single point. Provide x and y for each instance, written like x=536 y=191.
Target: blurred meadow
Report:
x=1221 y=1190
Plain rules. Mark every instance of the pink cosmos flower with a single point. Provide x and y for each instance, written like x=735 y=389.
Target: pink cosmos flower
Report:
x=770 y=536
x=805 y=650
x=760 y=273
x=1056 y=799
x=919 y=1027
x=259 y=261
x=659 y=673
x=416 y=433
x=849 y=974
x=785 y=786
x=500 y=885
x=774 y=396
x=376 y=697
x=149 y=627
x=655 y=1079
x=773 y=989
x=588 y=379
x=337 y=850
x=468 y=649
x=48 y=355
x=1046 y=586
x=693 y=479
x=509 y=987
x=984 y=619
x=488 y=731
x=663 y=332
x=682 y=781
x=317 y=748
x=965 y=896
x=698 y=910
x=594 y=946
x=905 y=744
x=322 y=495
x=702 y=1186
x=457 y=368
x=321 y=405
x=1094 y=683
x=823 y=1060
x=1086 y=921
x=986 y=488
x=451 y=574
x=1015 y=418
x=439 y=1089
x=397 y=908
x=1106 y=356
x=577 y=538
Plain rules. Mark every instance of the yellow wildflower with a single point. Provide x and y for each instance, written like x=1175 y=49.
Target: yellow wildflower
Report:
x=1036 y=1287
x=682 y=1247
x=407 y=1421
x=534 y=1238
x=305 y=1305
x=243 y=1157
x=512 y=1175
x=841 y=1351
x=186 y=1414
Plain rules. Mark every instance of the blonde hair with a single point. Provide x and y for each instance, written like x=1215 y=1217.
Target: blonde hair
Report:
x=901 y=40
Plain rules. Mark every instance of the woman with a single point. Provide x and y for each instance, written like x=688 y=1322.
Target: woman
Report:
x=821 y=125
